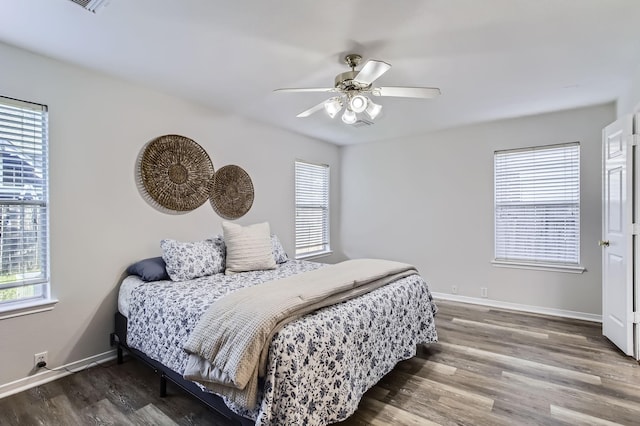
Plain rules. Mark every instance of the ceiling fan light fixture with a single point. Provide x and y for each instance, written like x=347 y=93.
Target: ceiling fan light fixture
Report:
x=353 y=90
x=358 y=103
x=333 y=106
x=349 y=117
x=373 y=109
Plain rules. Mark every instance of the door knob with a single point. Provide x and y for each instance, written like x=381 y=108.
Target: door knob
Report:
x=602 y=243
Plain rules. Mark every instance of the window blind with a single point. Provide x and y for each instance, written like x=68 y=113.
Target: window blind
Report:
x=537 y=204
x=23 y=201
x=312 y=208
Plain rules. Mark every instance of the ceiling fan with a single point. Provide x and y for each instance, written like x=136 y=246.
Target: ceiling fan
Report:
x=353 y=88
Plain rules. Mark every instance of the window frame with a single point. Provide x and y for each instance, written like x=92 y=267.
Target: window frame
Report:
x=24 y=145
x=535 y=191
x=301 y=251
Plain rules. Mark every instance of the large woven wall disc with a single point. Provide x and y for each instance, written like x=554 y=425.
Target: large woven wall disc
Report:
x=174 y=174
x=231 y=192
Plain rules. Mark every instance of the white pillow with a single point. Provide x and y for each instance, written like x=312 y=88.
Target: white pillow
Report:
x=248 y=247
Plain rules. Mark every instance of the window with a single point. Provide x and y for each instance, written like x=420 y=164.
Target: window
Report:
x=537 y=207
x=24 y=258
x=312 y=209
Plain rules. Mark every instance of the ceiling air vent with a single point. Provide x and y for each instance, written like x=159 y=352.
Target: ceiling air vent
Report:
x=91 y=5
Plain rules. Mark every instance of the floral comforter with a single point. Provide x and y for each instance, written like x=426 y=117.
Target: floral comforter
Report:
x=320 y=365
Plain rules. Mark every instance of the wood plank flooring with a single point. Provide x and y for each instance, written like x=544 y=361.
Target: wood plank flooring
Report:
x=491 y=367
x=498 y=367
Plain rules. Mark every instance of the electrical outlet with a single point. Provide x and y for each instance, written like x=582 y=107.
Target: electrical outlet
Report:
x=41 y=357
x=483 y=292
x=454 y=289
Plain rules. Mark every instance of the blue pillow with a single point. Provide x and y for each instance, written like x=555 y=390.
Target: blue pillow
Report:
x=152 y=269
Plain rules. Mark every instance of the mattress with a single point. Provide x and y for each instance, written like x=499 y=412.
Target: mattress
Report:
x=124 y=295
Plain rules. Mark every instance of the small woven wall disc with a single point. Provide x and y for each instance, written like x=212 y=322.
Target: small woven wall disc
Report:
x=231 y=192
x=174 y=174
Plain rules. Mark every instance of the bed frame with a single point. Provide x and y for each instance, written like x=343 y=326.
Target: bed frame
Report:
x=214 y=402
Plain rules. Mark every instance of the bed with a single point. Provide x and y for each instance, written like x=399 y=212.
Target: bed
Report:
x=318 y=366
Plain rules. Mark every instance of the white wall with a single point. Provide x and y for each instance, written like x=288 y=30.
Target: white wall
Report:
x=428 y=200
x=99 y=222
x=629 y=101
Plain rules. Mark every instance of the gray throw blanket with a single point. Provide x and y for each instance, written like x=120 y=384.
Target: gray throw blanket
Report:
x=228 y=347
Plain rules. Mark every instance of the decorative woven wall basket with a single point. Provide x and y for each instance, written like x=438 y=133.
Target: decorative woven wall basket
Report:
x=231 y=192
x=173 y=174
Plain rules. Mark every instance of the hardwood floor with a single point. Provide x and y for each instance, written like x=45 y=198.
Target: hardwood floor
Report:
x=491 y=367
x=111 y=394
x=497 y=367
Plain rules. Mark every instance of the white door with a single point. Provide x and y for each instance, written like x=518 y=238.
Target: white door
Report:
x=617 y=242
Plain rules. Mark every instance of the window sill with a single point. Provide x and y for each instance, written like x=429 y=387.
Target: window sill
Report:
x=570 y=269
x=12 y=310
x=314 y=255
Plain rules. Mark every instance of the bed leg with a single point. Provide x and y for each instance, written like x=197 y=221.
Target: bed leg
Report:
x=114 y=340
x=163 y=386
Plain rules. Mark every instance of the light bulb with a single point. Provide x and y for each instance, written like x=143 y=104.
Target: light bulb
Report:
x=349 y=117
x=333 y=106
x=358 y=103
x=373 y=109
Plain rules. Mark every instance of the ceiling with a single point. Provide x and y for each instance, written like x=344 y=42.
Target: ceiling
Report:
x=492 y=59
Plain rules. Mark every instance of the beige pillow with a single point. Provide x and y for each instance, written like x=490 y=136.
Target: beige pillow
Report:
x=248 y=247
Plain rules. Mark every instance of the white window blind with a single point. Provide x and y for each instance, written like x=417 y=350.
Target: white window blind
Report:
x=24 y=259
x=537 y=205
x=312 y=209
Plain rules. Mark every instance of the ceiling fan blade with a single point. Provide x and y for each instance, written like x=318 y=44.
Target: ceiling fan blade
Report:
x=311 y=110
x=371 y=71
x=307 y=89
x=407 y=92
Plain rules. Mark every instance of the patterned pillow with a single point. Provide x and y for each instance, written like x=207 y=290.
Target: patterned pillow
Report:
x=186 y=260
x=248 y=247
x=220 y=253
x=279 y=254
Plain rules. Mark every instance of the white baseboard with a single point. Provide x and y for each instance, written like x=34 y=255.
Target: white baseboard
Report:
x=46 y=376
x=519 y=307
